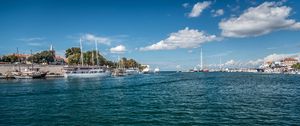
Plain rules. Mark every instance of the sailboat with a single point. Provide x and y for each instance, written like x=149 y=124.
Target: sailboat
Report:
x=201 y=63
x=86 y=71
x=29 y=73
x=120 y=70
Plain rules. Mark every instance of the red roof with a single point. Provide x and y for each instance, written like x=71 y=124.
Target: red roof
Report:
x=290 y=59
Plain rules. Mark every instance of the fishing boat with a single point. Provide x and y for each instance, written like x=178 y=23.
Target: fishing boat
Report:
x=86 y=71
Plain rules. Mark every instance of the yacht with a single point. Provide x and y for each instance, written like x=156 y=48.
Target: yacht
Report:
x=132 y=71
x=146 y=70
x=156 y=70
x=119 y=72
x=86 y=71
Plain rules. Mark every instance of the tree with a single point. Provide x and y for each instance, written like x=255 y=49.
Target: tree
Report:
x=42 y=57
x=71 y=51
x=73 y=56
x=10 y=58
x=296 y=66
x=131 y=63
x=74 y=59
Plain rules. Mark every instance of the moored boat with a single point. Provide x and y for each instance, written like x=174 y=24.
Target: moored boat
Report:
x=85 y=72
x=30 y=73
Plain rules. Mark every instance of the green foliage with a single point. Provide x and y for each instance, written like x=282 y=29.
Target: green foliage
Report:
x=90 y=58
x=131 y=63
x=71 y=51
x=74 y=59
x=296 y=66
x=10 y=58
x=73 y=56
x=42 y=57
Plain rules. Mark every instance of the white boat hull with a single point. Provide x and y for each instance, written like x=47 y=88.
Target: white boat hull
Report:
x=86 y=75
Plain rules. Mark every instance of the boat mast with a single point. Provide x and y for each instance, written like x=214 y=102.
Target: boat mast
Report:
x=31 y=59
x=93 y=62
x=201 y=61
x=81 y=52
x=19 y=60
x=97 y=53
x=220 y=63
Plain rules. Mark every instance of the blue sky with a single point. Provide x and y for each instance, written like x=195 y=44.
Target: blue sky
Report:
x=162 y=33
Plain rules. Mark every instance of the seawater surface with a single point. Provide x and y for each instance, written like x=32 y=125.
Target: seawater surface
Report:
x=166 y=98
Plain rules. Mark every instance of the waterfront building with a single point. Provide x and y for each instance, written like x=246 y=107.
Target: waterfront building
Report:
x=289 y=62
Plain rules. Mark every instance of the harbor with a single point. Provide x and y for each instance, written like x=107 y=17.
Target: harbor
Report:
x=149 y=63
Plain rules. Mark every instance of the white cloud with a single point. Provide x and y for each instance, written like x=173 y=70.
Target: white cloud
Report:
x=118 y=49
x=260 y=20
x=278 y=57
x=31 y=39
x=185 y=5
x=186 y=38
x=218 y=12
x=198 y=8
x=230 y=63
x=92 y=38
x=255 y=62
x=273 y=57
x=221 y=54
x=34 y=44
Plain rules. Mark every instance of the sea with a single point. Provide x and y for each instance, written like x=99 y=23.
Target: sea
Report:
x=166 y=98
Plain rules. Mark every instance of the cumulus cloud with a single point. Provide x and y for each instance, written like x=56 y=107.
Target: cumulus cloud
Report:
x=118 y=49
x=217 y=13
x=92 y=38
x=272 y=58
x=198 y=8
x=255 y=62
x=186 y=38
x=260 y=20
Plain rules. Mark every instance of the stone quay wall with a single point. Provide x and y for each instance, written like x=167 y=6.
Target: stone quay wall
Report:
x=56 y=69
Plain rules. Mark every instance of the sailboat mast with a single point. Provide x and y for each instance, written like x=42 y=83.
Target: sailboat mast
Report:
x=93 y=62
x=19 y=60
x=220 y=63
x=81 y=52
x=97 y=53
x=31 y=59
x=201 y=60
